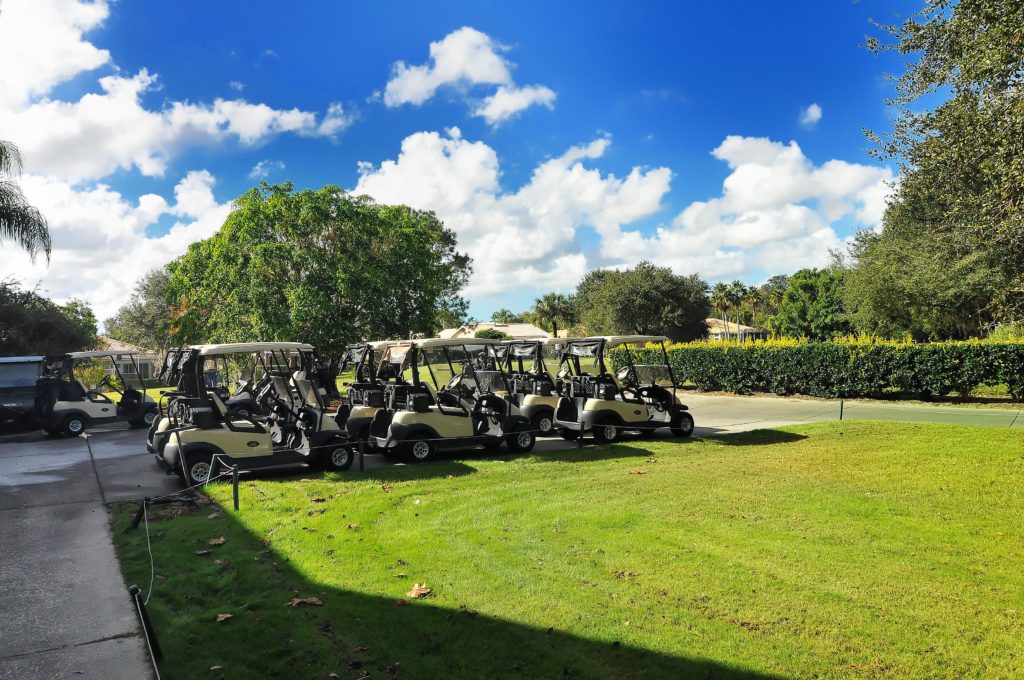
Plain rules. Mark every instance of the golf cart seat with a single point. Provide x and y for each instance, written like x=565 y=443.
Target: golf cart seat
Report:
x=77 y=390
x=655 y=394
x=234 y=423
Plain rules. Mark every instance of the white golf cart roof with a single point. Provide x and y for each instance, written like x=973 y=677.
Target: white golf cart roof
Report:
x=545 y=342
x=381 y=344
x=102 y=353
x=20 y=360
x=453 y=342
x=249 y=347
x=614 y=340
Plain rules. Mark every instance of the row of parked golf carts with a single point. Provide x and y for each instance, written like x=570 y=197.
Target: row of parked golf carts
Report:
x=46 y=392
x=258 y=405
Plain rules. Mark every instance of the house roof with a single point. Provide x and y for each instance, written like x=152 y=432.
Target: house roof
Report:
x=516 y=331
x=715 y=326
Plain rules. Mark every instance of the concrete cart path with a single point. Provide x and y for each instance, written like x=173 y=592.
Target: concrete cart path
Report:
x=66 y=610
x=719 y=414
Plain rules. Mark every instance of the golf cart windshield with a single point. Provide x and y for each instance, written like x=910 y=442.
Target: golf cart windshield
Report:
x=646 y=374
x=20 y=371
x=582 y=358
x=395 y=363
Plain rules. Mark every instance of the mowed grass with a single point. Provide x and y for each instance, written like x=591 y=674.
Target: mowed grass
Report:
x=851 y=549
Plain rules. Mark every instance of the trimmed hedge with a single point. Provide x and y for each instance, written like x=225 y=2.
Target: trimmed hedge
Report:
x=845 y=368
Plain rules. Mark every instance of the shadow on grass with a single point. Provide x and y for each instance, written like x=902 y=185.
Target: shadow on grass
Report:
x=760 y=438
x=353 y=635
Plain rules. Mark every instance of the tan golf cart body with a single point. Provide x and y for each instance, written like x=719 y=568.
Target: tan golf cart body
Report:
x=77 y=407
x=435 y=406
x=639 y=398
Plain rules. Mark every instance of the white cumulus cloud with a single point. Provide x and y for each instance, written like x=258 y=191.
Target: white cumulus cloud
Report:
x=263 y=169
x=463 y=59
x=100 y=240
x=810 y=116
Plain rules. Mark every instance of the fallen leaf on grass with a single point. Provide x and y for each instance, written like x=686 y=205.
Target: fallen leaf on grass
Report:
x=215 y=515
x=311 y=530
x=399 y=575
x=319 y=500
x=638 y=472
x=304 y=601
x=216 y=668
x=359 y=650
x=419 y=591
x=400 y=602
x=224 y=617
x=201 y=553
x=353 y=526
x=220 y=562
x=334 y=675
x=385 y=487
x=218 y=541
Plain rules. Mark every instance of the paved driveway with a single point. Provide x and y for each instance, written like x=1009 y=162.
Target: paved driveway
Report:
x=66 y=610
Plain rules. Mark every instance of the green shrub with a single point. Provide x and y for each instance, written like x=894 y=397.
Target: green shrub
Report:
x=845 y=368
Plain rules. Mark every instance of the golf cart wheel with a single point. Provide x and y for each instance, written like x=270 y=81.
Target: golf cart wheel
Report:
x=543 y=424
x=682 y=425
x=569 y=435
x=522 y=441
x=201 y=467
x=242 y=412
x=338 y=458
x=420 y=450
x=73 y=426
x=606 y=432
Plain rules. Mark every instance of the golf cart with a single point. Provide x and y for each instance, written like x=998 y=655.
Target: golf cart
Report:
x=18 y=391
x=366 y=391
x=447 y=394
x=639 y=398
x=200 y=433
x=534 y=387
x=66 y=406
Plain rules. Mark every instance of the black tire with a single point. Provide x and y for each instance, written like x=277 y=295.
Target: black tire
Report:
x=420 y=450
x=606 y=432
x=682 y=424
x=200 y=468
x=242 y=412
x=568 y=435
x=521 y=442
x=338 y=456
x=74 y=425
x=543 y=424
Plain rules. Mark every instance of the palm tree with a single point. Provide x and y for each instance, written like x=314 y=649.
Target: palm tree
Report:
x=737 y=292
x=505 y=316
x=552 y=308
x=720 y=301
x=19 y=221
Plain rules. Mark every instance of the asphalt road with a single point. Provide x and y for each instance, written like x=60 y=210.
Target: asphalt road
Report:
x=66 y=611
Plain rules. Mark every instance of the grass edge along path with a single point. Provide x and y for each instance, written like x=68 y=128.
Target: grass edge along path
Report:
x=842 y=549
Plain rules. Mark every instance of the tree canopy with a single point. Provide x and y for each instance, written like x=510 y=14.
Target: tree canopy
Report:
x=812 y=306
x=951 y=251
x=646 y=300
x=31 y=324
x=143 y=321
x=321 y=266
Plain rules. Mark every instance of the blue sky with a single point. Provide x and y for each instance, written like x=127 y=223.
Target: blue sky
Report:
x=698 y=104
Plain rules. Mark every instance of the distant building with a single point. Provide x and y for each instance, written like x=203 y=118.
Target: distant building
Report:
x=147 y=359
x=515 y=331
x=737 y=331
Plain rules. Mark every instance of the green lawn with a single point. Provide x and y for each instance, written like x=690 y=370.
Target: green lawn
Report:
x=852 y=549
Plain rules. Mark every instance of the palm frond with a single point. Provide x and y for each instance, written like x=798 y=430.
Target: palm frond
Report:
x=21 y=222
x=10 y=158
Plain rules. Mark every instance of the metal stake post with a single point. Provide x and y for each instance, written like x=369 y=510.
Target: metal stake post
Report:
x=840 y=409
x=234 y=484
